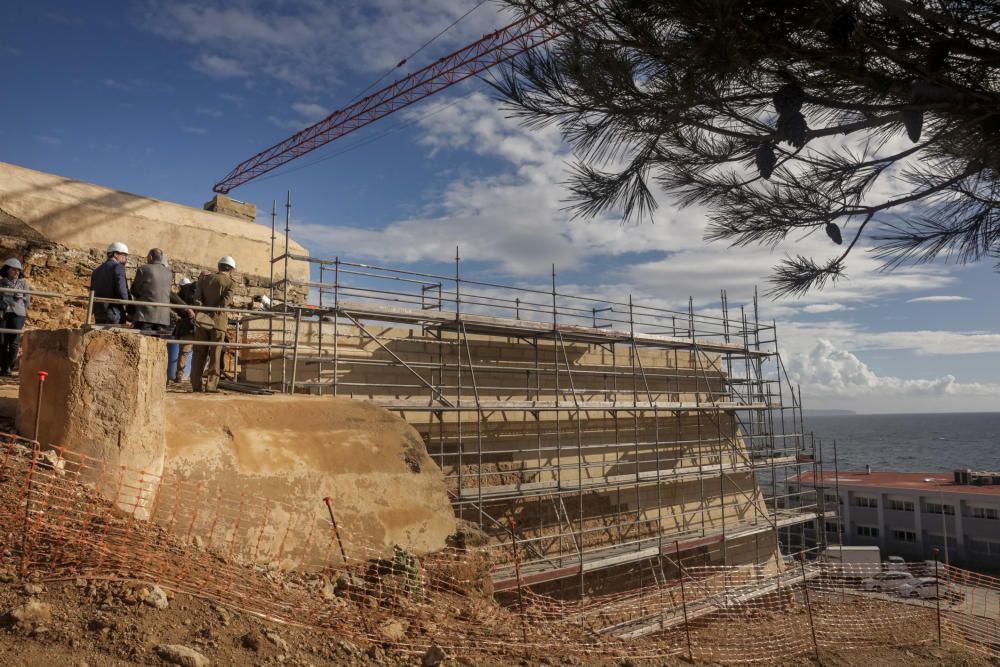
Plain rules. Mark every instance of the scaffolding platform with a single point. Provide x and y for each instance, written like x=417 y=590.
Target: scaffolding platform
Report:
x=622 y=554
x=645 y=477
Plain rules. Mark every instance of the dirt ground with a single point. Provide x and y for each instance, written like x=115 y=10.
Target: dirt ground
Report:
x=101 y=623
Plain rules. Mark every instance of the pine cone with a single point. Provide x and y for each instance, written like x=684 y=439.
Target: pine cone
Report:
x=833 y=231
x=789 y=98
x=765 y=159
x=792 y=128
x=913 y=119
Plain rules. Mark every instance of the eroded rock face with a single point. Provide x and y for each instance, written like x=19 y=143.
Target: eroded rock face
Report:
x=298 y=451
x=103 y=399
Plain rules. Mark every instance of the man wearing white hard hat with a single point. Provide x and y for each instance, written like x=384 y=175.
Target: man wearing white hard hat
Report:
x=15 y=312
x=184 y=329
x=108 y=282
x=214 y=290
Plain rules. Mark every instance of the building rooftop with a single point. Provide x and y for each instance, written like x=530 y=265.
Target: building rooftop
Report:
x=936 y=482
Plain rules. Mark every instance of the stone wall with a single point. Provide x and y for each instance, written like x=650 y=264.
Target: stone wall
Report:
x=51 y=267
x=103 y=398
x=84 y=216
x=527 y=450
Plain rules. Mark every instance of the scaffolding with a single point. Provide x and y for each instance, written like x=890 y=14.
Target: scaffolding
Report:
x=581 y=435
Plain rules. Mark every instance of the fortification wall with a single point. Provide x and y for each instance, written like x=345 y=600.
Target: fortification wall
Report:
x=39 y=206
x=517 y=462
x=105 y=399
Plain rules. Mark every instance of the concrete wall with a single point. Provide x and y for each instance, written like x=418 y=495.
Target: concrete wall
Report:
x=85 y=216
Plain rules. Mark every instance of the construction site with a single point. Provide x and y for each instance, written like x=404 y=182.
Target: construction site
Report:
x=422 y=463
x=410 y=467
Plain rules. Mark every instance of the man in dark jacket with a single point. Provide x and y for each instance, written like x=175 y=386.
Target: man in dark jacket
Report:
x=184 y=329
x=152 y=284
x=108 y=282
x=214 y=290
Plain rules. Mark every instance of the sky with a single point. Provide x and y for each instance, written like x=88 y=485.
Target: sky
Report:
x=164 y=98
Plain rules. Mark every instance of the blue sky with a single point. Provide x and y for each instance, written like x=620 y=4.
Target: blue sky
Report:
x=163 y=99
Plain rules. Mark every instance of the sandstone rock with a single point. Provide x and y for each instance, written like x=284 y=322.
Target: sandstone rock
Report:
x=434 y=656
x=31 y=612
x=34 y=589
x=184 y=656
x=155 y=597
x=276 y=640
x=393 y=631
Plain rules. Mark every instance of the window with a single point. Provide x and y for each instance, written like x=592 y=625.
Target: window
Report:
x=984 y=546
x=937 y=540
x=985 y=513
x=901 y=505
x=938 y=508
x=831 y=526
x=830 y=497
x=865 y=501
x=904 y=535
x=867 y=531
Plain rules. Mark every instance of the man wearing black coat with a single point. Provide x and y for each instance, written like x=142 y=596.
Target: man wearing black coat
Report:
x=108 y=282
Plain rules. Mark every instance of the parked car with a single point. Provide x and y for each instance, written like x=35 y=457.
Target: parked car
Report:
x=928 y=588
x=894 y=563
x=887 y=581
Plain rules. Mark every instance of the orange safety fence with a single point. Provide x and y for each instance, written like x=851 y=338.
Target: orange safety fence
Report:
x=64 y=515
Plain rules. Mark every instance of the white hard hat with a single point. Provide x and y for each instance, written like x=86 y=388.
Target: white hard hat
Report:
x=186 y=281
x=14 y=264
x=118 y=246
x=227 y=261
x=265 y=300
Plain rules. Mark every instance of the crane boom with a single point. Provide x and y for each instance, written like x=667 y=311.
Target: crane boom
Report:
x=494 y=48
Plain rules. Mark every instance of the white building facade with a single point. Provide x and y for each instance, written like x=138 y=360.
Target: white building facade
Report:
x=911 y=514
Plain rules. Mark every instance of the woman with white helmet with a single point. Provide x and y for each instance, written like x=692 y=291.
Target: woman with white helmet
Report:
x=15 y=312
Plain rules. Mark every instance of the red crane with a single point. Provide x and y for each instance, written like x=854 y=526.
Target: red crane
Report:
x=494 y=48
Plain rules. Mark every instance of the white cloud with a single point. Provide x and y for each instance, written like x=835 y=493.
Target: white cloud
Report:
x=514 y=221
x=938 y=299
x=210 y=112
x=799 y=338
x=194 y=130
x=830 y=371
x=311 y=111
x=48 y=140
x=304 y=43
x=818 y=308
x=308 y=113
x=219 y=67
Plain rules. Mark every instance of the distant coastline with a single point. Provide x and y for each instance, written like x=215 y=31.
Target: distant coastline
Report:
x=827 y=413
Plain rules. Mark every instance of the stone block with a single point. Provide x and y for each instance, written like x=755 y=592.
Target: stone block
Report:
x=102 y=398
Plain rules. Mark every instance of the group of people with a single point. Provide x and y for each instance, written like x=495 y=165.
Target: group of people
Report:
x=152 y=284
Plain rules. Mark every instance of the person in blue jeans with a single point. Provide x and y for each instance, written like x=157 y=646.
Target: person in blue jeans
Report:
x=15 y=312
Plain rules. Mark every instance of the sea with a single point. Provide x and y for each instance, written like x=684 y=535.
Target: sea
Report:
x=909 y=442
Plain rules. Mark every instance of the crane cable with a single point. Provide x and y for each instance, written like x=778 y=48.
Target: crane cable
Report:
x=424 y=46
x=367 y=140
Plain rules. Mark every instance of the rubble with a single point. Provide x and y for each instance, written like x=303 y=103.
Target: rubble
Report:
x=182 y=655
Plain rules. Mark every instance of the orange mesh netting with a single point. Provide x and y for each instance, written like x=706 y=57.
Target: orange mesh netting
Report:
x=64 y=515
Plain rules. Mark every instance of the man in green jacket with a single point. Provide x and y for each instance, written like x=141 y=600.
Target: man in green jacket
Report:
x=213 y=290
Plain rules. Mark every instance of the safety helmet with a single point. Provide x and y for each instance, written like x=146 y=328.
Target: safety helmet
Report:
x=265 y=300
x=227 y=261
x=14 y=264
x=118 y=246
x=186 y=281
